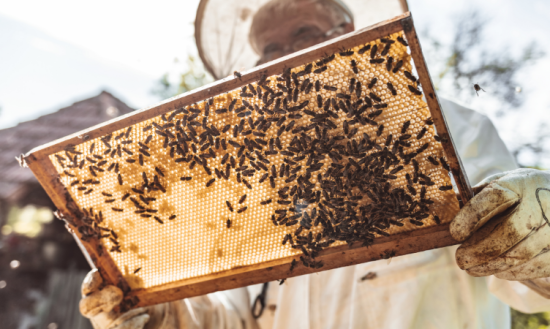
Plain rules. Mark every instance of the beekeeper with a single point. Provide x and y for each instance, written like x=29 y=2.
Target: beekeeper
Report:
x=502 y=261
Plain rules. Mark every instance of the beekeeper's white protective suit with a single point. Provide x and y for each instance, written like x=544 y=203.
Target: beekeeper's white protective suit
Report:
x=423 y=290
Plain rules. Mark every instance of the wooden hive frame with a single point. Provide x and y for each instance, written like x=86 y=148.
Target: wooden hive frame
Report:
x=398 y=244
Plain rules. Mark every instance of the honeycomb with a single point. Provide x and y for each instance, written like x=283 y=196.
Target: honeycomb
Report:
x=341 y=150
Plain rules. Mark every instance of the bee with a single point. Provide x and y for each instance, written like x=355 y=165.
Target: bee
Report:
x=320 y=70
x=330 y=88
x=409 y=180
x=433 y=160
x=477 y=88
x=228 y=223
x=110 y=201
x=380 y=130
x=402 y=41
x=421 y=133
x=437 y=220
x=210 y=182
x=353 y=64
x=236 y=74
x=229 y=206
x=185 y=178
x=89 y=191
x=446 y=188
x=158 y=219
x=377 y=61
x=386 y=49
x=398 y=66
x=444 y=164
x=373 y=51
x=317 y=85
x=172 y=217
x=414 y=90
x=247 y=184
x=411 y=189
x=374 y=97
x=319 y=101
x=416 y=222
x=120 y=182
x=409 y=76
x=372 y=83
x=242 y=210
x=242 y=199
x=346 y=53
x=422 y=148
x=391 y=88
x=117 y=209
x=363 y=50
x=137 y=270
x=293 y=264
x=358 y=89
x=282 y=281
x=125 y=196
x=405 y=126
x=389 y=63
x=429 y=121
x=369 y=276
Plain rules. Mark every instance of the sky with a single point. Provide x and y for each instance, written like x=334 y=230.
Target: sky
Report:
x=63 y=51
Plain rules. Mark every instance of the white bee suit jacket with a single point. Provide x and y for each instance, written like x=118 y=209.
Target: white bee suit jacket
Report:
x=422 y=290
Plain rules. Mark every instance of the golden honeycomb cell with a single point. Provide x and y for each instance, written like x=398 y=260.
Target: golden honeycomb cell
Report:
x=170 y=219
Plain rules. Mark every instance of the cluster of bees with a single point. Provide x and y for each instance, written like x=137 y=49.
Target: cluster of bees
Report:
x=340 y=174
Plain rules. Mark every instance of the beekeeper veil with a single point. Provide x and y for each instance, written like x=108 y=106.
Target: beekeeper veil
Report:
x=237 y=35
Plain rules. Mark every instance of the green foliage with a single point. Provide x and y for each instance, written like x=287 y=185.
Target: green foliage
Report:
x=193 y=76
x=530 y=321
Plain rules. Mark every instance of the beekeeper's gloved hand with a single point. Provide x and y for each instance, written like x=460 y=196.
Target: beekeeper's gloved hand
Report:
x=222 y=310
x=505 y=228
x=98 y=305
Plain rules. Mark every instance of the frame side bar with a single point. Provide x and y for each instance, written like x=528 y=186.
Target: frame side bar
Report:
x=46 y=174
x=459 y=173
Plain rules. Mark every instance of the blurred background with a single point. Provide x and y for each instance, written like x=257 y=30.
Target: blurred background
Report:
x=67 y=65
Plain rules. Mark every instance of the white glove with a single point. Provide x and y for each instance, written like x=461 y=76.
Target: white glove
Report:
x=506 y=229
x=222 y=310
x=98 y=305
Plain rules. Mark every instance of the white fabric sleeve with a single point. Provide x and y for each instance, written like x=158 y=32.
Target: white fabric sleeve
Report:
x=483 y=153
x=518 y=296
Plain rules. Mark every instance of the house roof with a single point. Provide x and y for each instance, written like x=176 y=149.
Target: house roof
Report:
x=30 y=134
